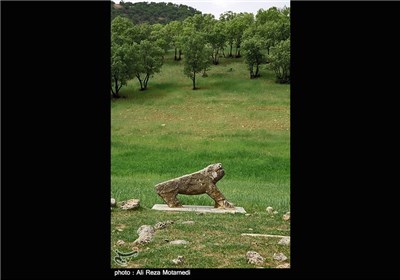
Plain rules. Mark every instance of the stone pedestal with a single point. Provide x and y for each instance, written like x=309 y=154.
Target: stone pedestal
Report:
x=198 y=208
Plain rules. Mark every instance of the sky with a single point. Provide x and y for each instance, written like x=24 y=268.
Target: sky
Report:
x=217 y=7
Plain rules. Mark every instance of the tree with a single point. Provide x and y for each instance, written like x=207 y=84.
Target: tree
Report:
x=216 y=38
x=253 y=49
x=149 y=59
x=239 y=24
x=122 y=61
x=196 y=56
x=279 y=59
x=122 y=54
x=173 y=29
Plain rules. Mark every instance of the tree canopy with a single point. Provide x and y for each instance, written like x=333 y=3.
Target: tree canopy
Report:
x=151 y=13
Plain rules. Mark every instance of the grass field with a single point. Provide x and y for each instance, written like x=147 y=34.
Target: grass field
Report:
x=171 y=130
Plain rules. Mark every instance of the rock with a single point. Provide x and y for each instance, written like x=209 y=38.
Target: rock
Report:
x=188 y=222
x=247 y=215
x=178 y=260
x=284 y=265
x=270 y=210
x=146 y=233
x=179 y=242
x=130 y=204
x=279 y=257
x=254 y=258
x=201 y=182
x=275 y=212
x=120 y=242
x=284 y=241
x=286 y=217
x=250 y=229
x=113 y=202
x=162 y=225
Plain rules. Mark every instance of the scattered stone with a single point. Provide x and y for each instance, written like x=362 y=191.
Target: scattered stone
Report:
x=275 y=212
x=120 y=242
x=284 y=265
x=250 y=229
x=247 y=215
x=178 y=260
x=254 y=258
x=270 y=210
x=130 y=204
x=279 y=257
x=179 y=242
x=286 y=217
x=163 y=124
x=284 y=241
x=162 y=225
x=188 y=222
x=146 y=233
x=113 y=202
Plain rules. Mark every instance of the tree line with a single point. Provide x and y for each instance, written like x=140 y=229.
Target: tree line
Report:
x=138 y=50
x=151 y=13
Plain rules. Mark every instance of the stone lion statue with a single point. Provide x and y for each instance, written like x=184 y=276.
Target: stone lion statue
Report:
x=200 y=182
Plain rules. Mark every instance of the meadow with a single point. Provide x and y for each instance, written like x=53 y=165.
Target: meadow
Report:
x=170 y=130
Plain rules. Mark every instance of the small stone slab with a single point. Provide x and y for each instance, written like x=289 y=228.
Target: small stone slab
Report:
x=198 y=208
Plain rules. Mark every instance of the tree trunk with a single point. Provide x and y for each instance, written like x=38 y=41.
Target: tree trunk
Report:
x=140 y=81
x=257 y=70
x=116 y=89
x=180 y=53
x=194 y=80
x=230 y=50
x=176 y=58
x=146 y=80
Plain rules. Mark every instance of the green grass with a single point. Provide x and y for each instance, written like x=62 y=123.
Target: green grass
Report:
x=171 y=130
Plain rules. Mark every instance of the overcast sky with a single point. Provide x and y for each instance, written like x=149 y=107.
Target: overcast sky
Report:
x=217 y=7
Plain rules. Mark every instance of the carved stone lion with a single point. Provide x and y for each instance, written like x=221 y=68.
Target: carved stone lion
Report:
x=200 y=182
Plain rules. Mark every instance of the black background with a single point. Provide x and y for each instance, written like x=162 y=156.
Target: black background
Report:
x=55 y=141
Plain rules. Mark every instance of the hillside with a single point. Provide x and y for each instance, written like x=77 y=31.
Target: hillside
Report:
x=152 y=12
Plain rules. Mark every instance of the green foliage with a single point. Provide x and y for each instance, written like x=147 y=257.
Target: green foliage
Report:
x=122 y=30
x=122 y=54
x=197 y=55
x=149 y=61
x=254 y=49
x=279 y=59
x=216 y=38
x=143 y=12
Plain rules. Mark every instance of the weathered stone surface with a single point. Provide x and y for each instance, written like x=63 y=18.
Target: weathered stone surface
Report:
x=120 y=242
x=130 y=204
x=162 y=225
x=279 y=257
x=179 y=242
x=178 y=260
x=146 y=233
x=286 y=217
x=284 y=265
x=200 y=209
x=113 y=202
x=284 y=241
x=200 y=182
x=254 y=258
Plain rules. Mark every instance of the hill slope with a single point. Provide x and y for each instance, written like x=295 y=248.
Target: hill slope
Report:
x=152 y=12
